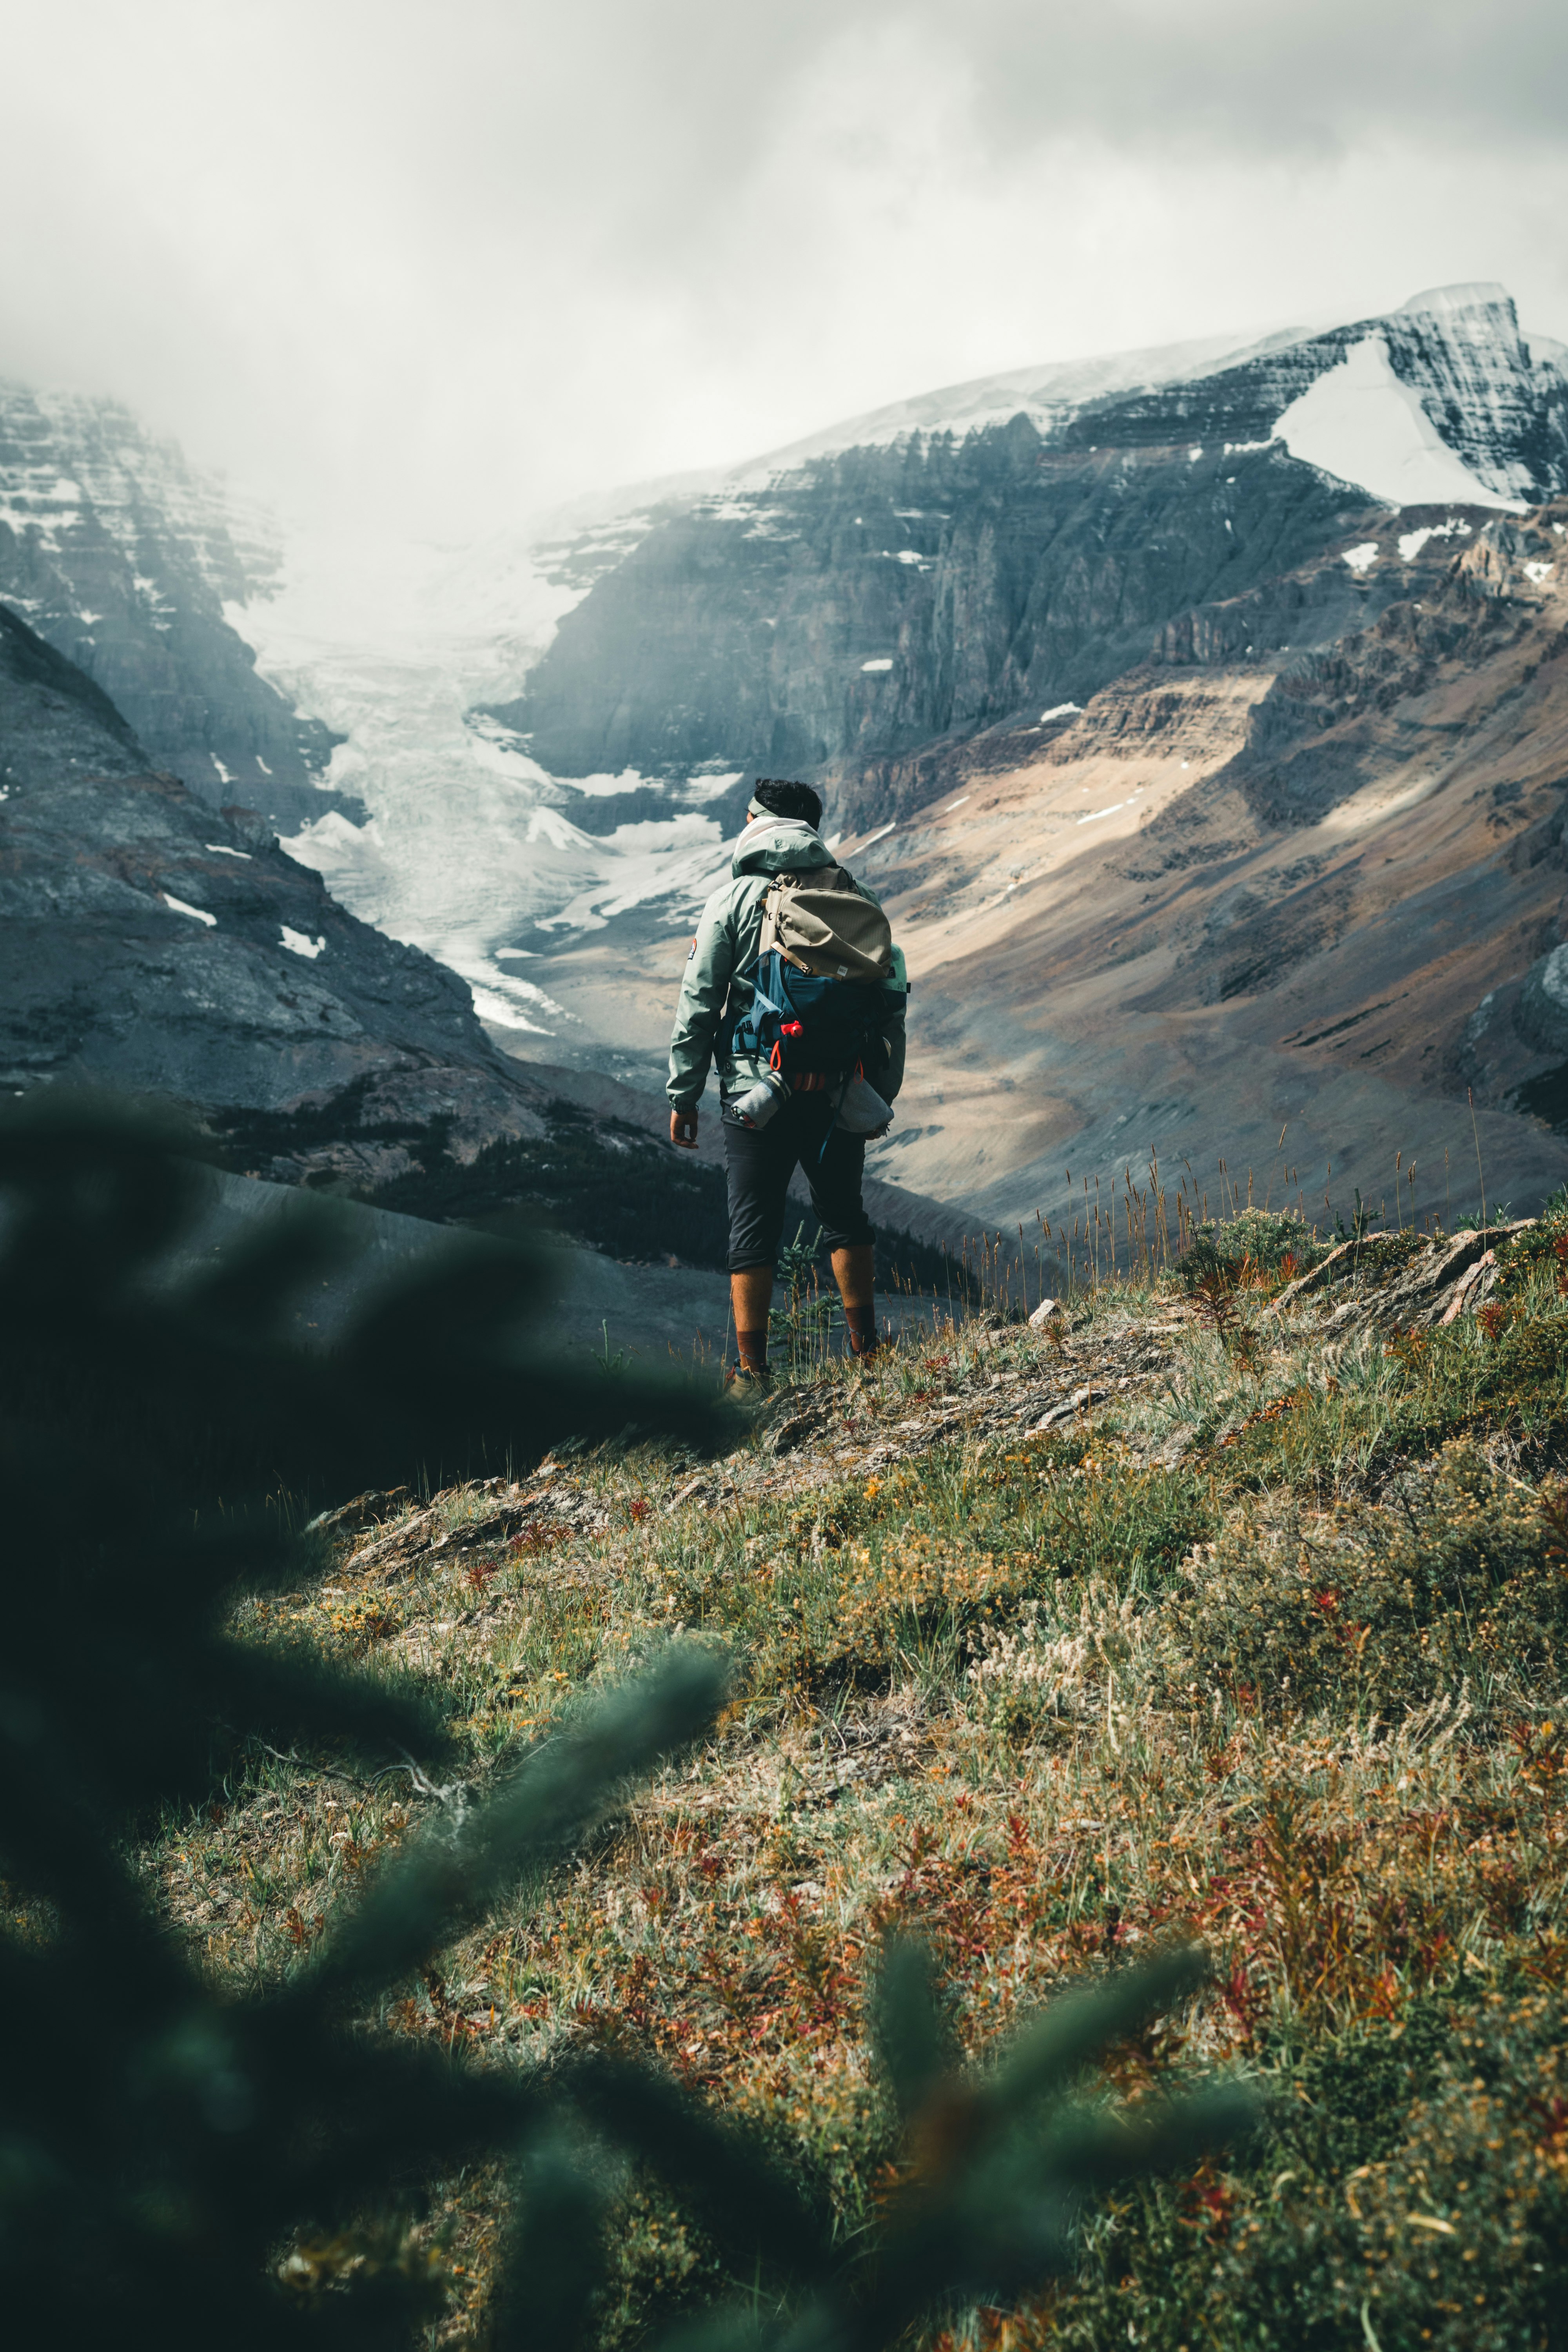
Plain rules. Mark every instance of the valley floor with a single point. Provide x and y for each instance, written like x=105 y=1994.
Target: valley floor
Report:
x=1244 y=1621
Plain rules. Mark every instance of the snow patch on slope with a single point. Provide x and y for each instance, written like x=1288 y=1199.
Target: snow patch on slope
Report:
x=198 y=914
x=1359 y=423
x=1411 y=542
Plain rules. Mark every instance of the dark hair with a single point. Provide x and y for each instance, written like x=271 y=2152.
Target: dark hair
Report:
x=781 y=798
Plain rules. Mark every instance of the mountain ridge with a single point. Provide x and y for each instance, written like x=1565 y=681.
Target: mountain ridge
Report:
x=821 y=616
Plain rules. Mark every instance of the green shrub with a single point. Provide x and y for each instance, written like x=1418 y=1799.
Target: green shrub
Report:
x=1540 y=1248
x=1465 y=1580
x=1451 y=2235
x=1257 y=1241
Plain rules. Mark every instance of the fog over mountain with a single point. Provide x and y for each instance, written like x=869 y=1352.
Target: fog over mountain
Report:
x=450 y=265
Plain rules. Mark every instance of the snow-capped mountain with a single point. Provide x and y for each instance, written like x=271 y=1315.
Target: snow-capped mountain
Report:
x=939 y=567
x=1495 y=402
x=122 y=556
x=1201 y=724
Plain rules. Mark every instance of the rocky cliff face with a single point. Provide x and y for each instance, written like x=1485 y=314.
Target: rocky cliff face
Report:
x=122 y=558
x=834 y=617
x=892 y=596
x=152 y=943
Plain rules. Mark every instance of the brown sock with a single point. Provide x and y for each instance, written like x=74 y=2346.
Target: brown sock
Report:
x=862 y=1322
x=753 y=1348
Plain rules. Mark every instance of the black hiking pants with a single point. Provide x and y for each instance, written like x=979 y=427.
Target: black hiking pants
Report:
x=759 y=1162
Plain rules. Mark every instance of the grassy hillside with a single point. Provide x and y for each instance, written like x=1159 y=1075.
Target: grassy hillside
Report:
x=1236 y=1609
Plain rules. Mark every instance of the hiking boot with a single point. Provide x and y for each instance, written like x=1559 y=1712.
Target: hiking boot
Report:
x=745 y=1380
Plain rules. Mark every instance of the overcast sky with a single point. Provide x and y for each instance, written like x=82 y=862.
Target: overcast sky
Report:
x=462 y=258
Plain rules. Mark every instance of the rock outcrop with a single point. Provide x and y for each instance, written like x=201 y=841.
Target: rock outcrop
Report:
x=1403 y=1282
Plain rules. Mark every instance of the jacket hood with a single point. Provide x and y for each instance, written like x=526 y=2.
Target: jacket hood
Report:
x=780 y=844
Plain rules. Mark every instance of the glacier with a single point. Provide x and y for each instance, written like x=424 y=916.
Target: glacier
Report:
x=391 y=644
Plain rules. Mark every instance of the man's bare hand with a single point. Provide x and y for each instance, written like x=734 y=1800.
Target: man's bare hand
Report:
x=683 y=1130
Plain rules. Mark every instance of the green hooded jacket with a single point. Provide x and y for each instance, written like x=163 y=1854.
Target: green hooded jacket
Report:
x=725 y=948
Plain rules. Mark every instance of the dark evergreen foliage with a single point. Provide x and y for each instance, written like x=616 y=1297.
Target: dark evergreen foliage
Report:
x=161 y=2139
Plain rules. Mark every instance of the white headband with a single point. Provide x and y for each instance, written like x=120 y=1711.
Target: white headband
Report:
x=756 y=811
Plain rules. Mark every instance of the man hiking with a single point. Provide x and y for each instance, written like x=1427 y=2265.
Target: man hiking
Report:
x=794 y=988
